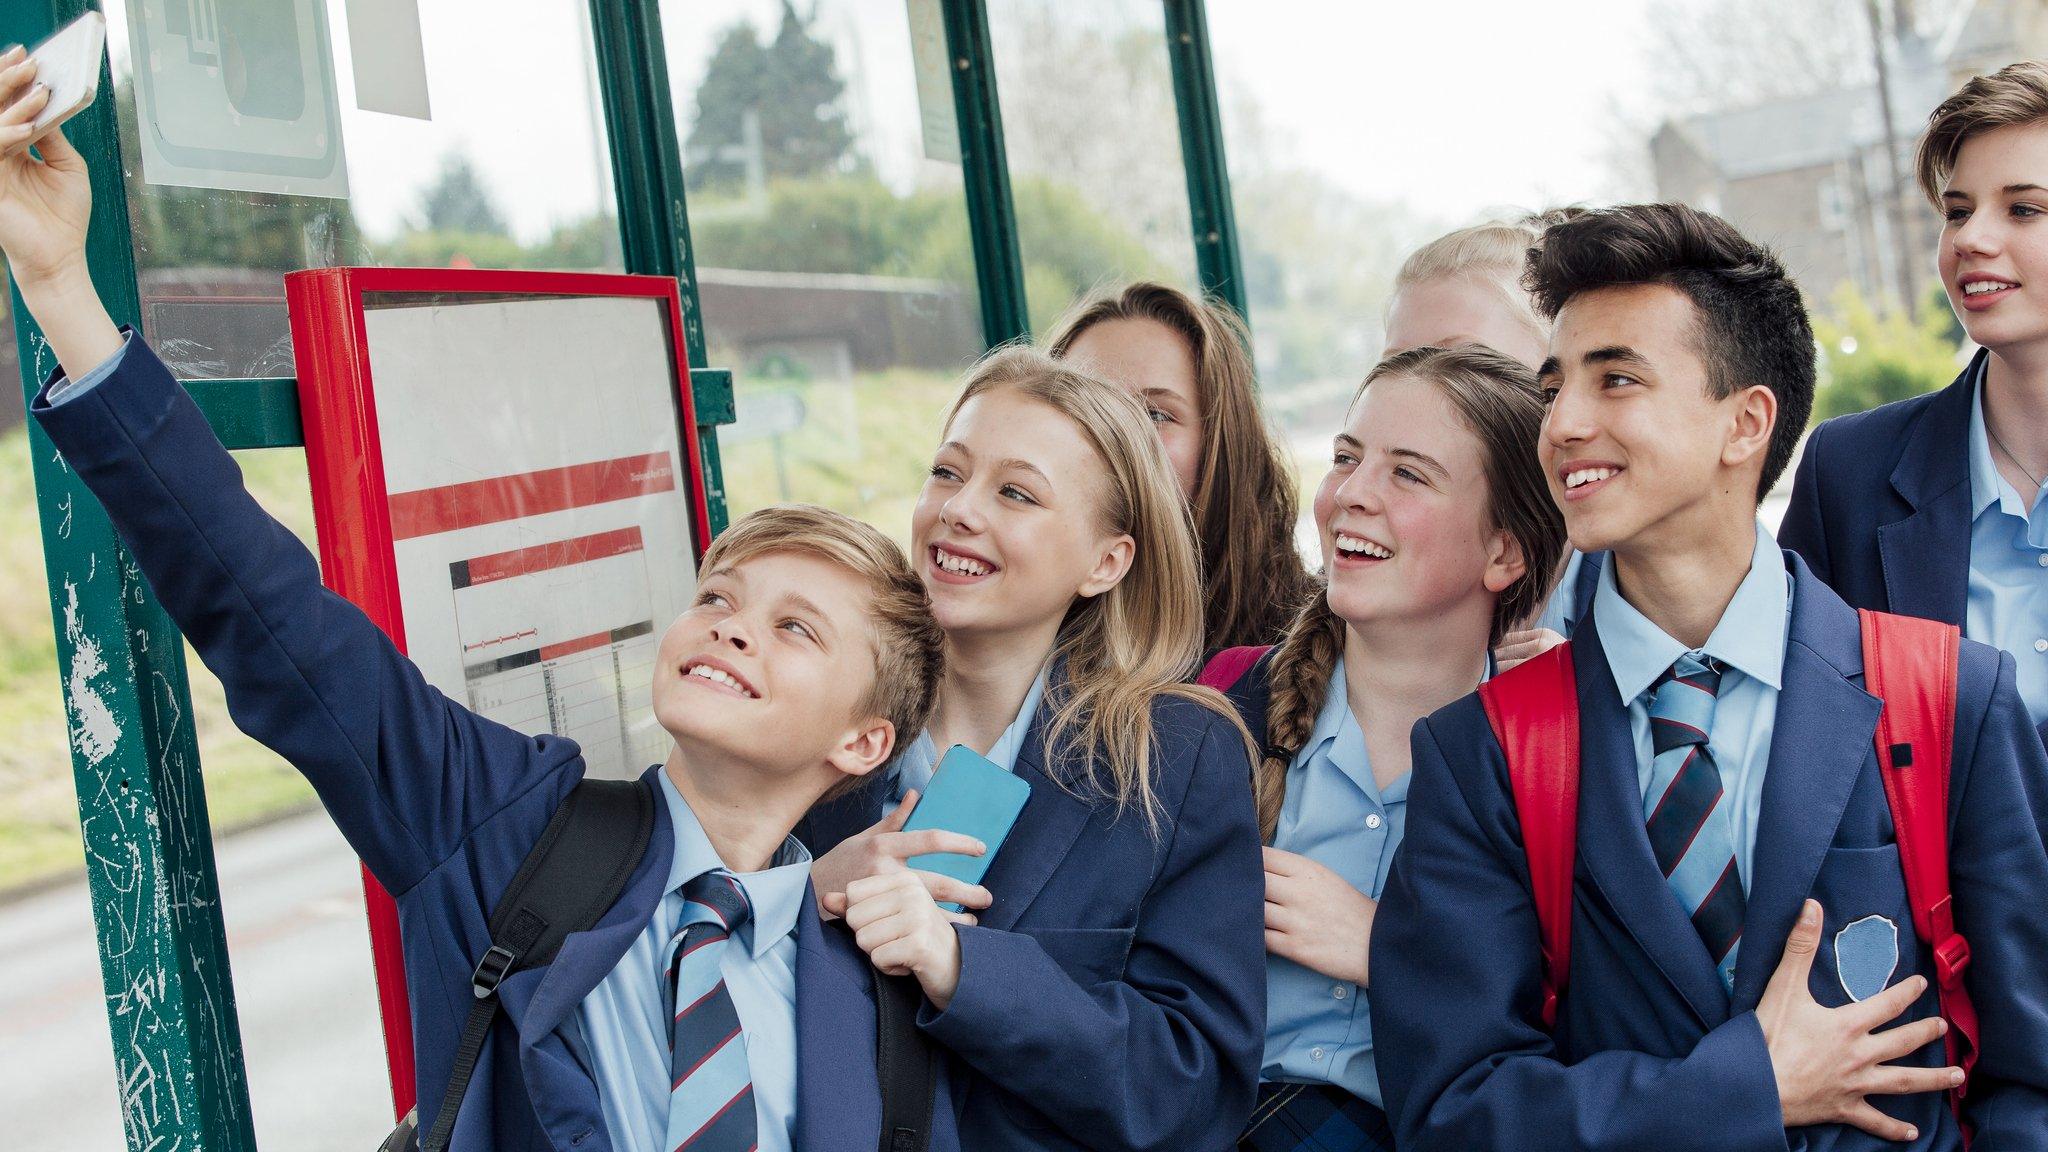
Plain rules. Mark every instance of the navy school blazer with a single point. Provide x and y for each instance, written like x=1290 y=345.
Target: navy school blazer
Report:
x=1650 y=1051
x=1881 y=505
x=1114 y=995
x=441 y=804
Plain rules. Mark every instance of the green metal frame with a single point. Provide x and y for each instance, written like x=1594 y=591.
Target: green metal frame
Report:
x=141 y=802
x=985 y=168
x=1201 y=150
x=141 y=799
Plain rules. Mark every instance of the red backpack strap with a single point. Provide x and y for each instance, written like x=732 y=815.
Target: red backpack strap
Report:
x=1534 y=711
x=1227 y=667
x=1910 y=664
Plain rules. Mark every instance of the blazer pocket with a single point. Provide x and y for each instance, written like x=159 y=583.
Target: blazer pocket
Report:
x=1867 y=940
x=1090 y=955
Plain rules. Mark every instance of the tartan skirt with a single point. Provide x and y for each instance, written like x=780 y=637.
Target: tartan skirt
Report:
x=1314 y=1118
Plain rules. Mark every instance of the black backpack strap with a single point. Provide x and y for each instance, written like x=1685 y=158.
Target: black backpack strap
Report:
x=570 y=879
x=905 y=1063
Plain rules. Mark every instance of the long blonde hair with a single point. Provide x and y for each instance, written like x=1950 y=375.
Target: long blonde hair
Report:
x=1141 y=639
x=1244 y=498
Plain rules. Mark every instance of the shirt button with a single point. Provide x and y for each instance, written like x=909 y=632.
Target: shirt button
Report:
x=2042 y=559
x=1339 y=992
x=2041 y=645
x=1315 y=1053
x=1373 y=821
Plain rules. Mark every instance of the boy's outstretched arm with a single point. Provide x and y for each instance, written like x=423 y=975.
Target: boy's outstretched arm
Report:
x=406 y=773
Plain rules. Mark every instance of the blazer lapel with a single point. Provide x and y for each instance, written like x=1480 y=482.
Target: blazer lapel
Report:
x=1047 y=828
x=838 y=1096
x=1820 y=743
x=1614 y=845
x=1925 y=556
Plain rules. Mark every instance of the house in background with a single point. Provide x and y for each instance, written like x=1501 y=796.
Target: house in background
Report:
x=1809 y=175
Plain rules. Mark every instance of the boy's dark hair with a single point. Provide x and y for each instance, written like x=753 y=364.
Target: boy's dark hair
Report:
x=1752 y=323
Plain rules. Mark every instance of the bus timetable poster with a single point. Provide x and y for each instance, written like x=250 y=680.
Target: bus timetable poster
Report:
x=505 y=480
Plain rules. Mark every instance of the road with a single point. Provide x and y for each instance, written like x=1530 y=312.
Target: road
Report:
x=300 y=954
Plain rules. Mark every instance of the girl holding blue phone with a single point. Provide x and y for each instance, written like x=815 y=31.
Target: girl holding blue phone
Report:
x=1432 y=518
x=1106 y=988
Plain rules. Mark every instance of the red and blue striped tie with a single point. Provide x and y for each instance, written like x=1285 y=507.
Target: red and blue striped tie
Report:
x=1689 y=813
x=711 y=1090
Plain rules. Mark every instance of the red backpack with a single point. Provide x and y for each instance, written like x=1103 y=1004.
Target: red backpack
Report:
x=1908 y=663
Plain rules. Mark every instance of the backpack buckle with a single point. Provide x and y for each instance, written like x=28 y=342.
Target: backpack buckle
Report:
x=491 y=971
x=1951 y=957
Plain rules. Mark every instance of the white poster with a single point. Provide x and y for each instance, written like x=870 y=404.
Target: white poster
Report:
x=539 y=497
x=237 y=94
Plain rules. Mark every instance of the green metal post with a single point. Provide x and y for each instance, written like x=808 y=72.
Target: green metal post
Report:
x=141 y=802
x=654 y=218
x=985 y=167
x=1201 y=150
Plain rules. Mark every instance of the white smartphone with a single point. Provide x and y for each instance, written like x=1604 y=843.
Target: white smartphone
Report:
x=69 y=62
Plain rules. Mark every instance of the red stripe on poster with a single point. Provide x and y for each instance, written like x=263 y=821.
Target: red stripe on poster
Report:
x=554 y=554
x=431 y=510
x=572 y=647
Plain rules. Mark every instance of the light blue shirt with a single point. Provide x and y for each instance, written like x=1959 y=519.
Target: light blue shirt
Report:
x=1560 y=614
x=1749 y=643
x=1319 y=1030
x=2008 y=606
x=85 y=383
x=913 y=767
x=624 y=1023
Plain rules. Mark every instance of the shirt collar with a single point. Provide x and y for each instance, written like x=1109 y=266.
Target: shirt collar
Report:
x=1568 y=593
x=1988 y=489
x=915 y=764
x=1749 y=638
x=1337 y=729
x=775 y=893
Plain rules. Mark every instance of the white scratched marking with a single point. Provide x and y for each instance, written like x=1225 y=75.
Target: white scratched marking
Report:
x=94 y=731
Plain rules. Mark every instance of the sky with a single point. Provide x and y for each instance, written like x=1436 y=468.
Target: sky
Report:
x=1449 y=108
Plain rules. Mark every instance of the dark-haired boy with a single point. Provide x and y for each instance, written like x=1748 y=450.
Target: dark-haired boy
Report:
x=1744 y=972
x=680 y=1020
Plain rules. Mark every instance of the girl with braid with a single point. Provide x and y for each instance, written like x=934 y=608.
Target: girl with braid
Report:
x=1432 y=519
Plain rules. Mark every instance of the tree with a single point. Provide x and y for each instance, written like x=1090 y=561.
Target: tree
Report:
x=1868 y=360
x=457 y=201
x=778 y=105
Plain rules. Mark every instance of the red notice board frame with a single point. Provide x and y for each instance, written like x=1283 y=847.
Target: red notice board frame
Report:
x=345 y=465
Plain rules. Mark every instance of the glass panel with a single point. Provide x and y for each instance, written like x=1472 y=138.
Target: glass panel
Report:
x=833 y=257
x=1765 y=112
x=1094 y=147
x=510 y=171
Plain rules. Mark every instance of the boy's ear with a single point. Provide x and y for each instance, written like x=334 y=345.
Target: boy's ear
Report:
x=1756 y=416
x=1111 y=567
x=864 y=747
x=1505 y=563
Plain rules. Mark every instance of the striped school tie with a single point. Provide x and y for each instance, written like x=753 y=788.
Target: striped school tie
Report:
x=1691 y=832
x=711 y=1091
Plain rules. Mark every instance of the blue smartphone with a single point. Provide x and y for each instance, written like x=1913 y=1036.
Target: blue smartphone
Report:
x=970 y=795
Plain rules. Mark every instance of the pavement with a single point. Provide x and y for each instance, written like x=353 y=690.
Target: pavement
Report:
x=300 y=954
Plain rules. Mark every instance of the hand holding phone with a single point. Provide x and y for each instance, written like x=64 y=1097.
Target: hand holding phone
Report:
x=68 y=65
x=970 y=795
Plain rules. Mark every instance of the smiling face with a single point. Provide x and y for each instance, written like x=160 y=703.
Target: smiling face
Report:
x=1153 y=363
x=1008 y=529
x=1635 y=448
x=1448 y=311
x=770 y=666
x=1994 y=242
x=1403 y=512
